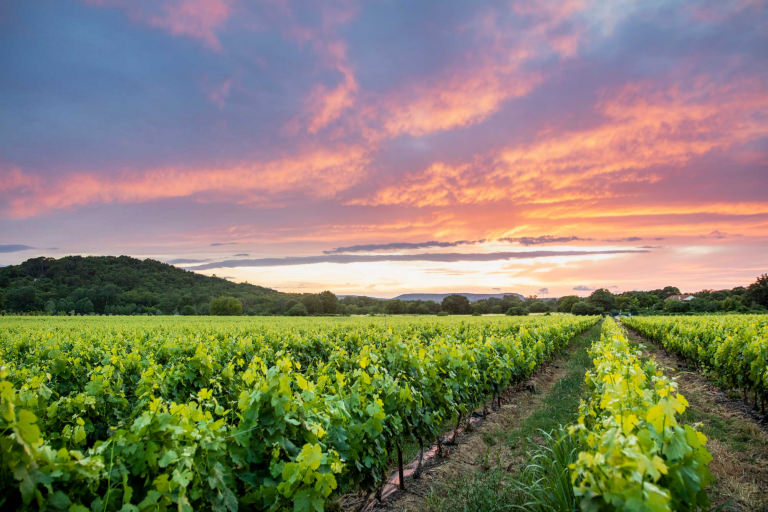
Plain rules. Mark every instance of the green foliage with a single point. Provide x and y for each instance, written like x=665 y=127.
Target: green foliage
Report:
x=757 y=292
x=636 y=455
x=235 y=413
x=517 y=310
x=583 y=308
x=22 y=298
x=732 y=347
x=676 y=306
x=565 y=304
x=297 y=309
x=456 y=305
x=538 y=306
x=122 y=285
x=226 y=306
x=602 y=300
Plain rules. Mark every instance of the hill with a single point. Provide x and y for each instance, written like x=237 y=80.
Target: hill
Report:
x=123 y=285
x=438 y=297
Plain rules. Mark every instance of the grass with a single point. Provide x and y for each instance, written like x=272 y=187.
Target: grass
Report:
x=543 y=484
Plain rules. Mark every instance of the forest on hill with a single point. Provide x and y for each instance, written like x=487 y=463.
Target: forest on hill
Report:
x=123 y=285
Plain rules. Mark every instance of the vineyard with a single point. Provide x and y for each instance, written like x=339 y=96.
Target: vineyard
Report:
x=138 y=414
x=155 y=414
x=733 y=348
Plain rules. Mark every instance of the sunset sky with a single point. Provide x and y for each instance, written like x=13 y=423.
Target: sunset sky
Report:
x=385 y=147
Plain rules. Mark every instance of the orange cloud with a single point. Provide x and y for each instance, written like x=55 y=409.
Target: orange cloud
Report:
x=642 y=129
x=321 y=173
x=326 y=105
x=461 y=100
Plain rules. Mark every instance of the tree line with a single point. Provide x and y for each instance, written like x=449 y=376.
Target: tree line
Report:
x=128 y=286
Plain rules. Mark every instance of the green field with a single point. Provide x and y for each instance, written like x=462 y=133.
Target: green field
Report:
x=240 y=413
x=149 y=413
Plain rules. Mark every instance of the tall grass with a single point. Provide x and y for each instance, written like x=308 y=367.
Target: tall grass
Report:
x=544 y=484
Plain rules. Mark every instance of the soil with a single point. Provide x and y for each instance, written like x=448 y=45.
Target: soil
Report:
x=738 y=437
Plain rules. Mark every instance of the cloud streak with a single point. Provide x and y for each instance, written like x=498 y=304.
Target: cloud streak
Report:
x=399 y=246
x=14 y=247
x=430 y=257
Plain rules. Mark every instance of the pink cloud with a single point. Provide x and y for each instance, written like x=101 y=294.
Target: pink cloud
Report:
x=198 y=19
x=319 y=173
x=644 y=128
x=326 y=105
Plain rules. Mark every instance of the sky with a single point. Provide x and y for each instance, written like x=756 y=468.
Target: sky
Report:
x=384 y=147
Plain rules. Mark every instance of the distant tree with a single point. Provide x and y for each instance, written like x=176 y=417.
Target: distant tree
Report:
x=456 y=305
x=84 y=306
x=21 y=299
x=187 y=310
x=703 y=305
x=298 y=309
x=329 y=303
x=757 y=292
x=517 y=310
x=602 y=300
x=226 y=306
x=538 y=306
x=627 y=304
x=584 y=308
x=565 y=304
x=50 y=306
x=732 y=304
x=676 y=306
x=480 y=307
x=65 y=306
x=312 y=302
x=395 y=307
x=669 y=291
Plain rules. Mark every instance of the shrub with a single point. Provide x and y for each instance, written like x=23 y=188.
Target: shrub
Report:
x=226 y=306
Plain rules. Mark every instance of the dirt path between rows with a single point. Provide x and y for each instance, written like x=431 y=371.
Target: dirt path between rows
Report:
x=472 y=450
x=737 y=441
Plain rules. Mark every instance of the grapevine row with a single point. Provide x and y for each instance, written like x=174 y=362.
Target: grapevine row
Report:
x=637 y=456
x=734 y=347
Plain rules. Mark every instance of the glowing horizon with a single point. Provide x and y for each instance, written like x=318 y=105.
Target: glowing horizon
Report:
x=382 y=148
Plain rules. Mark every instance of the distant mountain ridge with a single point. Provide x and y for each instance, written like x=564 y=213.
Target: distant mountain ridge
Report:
x=438 y=297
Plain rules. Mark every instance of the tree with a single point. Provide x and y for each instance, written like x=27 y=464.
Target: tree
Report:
x=298 y=309
x=312 y=302
x=517 y=310
x=21 y=299
x=676 y=306
x=84 y=306
x=669 y=291
x=226 y=306
x=566 y=303
x=602 y=300
x=584 y=308
x=758 y=291
x=50 y=306
x=538 y=306
x=395 y=307
x=187 y=310
x=329 y=303
x=456 y=305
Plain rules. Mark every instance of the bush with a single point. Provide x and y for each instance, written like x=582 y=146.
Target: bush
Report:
x=538 y=306
x=297 y=309
x=676 y=306
x=226 y=306
x=583 y=308
x=517 y=310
